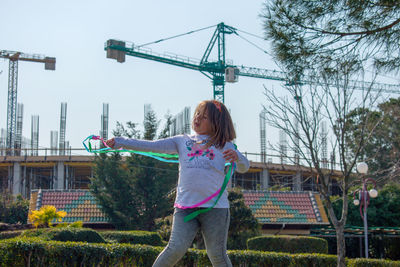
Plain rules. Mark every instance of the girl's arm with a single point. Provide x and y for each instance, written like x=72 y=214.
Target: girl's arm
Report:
x=231 y=154
x=167 y=145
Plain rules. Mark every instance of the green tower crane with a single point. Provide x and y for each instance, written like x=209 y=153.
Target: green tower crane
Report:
x=219 y=71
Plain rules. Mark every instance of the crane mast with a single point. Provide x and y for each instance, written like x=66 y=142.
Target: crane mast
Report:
x=219 y=71
x=14 y=57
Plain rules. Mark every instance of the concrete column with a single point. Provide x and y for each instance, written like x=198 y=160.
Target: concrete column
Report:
x=59 y=178
x=297 y=182
x=264 y=179
x=24 y=190
x=16 y=187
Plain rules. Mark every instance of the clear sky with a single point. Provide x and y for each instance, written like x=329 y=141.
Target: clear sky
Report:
x=75 y=32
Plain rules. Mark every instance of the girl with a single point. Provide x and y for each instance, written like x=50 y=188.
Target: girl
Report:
x=202 y=159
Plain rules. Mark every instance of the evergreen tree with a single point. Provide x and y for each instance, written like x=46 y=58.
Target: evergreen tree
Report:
x=316 y=35
x=13 y=210
x=113 y=188
x=134 y=192
x=382 y=149
x=383 y=211
x=330 y=42
x=243 y=224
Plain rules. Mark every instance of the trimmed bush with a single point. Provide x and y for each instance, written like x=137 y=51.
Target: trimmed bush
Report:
x=134 y=237
x=3 y=226
x=66 y=234
x=289 y=244
x=372 y=263
x=37 y=252
x=9 y=234
x=387 y=247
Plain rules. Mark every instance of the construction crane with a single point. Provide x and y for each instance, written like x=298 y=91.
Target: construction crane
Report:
x=219 y=71
x=14 y=57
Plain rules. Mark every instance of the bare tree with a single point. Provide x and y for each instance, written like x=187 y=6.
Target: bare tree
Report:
x=300 y=112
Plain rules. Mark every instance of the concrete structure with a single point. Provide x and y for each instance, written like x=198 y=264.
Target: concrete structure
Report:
x=21 y=174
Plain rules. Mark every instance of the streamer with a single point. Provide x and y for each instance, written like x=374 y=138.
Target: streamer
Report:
x=169 y=158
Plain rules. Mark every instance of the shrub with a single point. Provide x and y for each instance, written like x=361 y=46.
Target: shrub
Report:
x=9 y=234
x=387 y=247
x=45 y=216
x=66 y=234
x=77 y=224
x=372 y=263
x=290 y=244
x=36 y=252
x=134 y=237
x=13 y=210
x=3 y=226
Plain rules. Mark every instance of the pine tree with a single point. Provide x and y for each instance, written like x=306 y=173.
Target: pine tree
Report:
x=112 y=187
x=320 y=35
x=134 y=192
x=243 y=224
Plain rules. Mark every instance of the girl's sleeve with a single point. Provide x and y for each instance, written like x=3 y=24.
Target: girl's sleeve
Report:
x=242 y=163
x=167 y=145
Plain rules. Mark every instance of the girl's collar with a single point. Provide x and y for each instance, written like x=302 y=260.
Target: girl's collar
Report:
x=200 y=138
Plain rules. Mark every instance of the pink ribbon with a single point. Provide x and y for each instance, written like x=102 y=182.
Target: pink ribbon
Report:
x=200 y=203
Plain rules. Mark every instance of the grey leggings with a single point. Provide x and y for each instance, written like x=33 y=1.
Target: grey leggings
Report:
x=214 y=226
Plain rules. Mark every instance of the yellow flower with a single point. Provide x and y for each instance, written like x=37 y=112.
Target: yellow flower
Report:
x=45 y=216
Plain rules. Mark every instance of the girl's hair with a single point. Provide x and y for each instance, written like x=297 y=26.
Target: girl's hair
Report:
x=220 y=121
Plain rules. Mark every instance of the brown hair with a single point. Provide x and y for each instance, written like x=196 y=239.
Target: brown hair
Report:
x=220 y=121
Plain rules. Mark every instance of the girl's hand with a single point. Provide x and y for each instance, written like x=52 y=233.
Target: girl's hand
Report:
x=230 y=155
x=111 y=142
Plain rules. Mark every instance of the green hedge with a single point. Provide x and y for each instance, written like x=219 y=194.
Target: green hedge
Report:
x=289 y=244
x=9 y=234
x=372 y=263
x=134 y=237
x=66 y=234
x=37 y=252
x=387 y=247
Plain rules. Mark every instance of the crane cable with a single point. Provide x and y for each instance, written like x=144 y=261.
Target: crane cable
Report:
x=179 y=35
x=253 y=44
x=205 y=28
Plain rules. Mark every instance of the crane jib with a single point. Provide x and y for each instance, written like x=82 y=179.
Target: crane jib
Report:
x=222 y=72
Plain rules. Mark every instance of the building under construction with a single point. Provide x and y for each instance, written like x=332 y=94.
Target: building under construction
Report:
x=21 y=174
x=30 y=167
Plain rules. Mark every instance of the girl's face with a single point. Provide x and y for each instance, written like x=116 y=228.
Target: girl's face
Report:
x=201 y=123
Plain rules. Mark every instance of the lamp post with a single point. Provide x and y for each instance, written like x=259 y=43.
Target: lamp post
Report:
x=363 y=199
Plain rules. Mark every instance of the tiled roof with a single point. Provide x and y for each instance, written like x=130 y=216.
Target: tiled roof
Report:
x=286 y=207
x=80 y=205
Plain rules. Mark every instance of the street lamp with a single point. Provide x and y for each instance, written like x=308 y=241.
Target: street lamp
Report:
x=363 y=199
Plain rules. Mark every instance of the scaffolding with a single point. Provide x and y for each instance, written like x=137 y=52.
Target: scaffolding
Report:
x=18 y=132
x=104 y=122
x=63 y=125
x=181 y=123
x=34 y=135
x=53 y=142
x=263 y=146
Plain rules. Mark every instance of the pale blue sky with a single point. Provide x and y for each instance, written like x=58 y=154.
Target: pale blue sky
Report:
x=75 y=31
